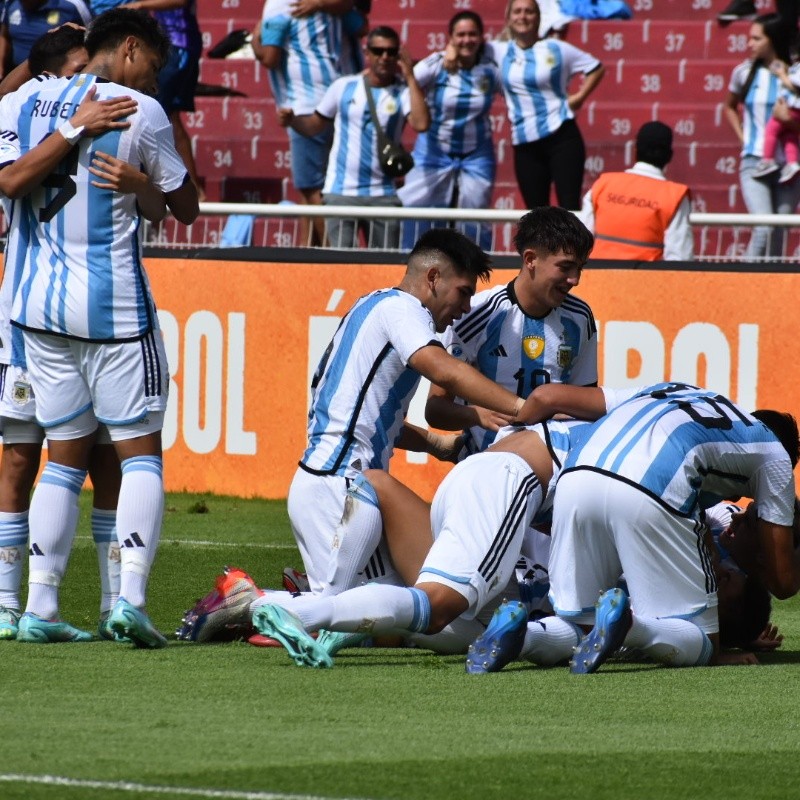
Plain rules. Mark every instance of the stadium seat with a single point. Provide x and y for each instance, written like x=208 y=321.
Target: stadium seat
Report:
x=239 y=75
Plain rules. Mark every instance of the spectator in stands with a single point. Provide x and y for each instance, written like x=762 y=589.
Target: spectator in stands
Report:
x=548 y=146
x=454 y=162
x=302 y=55
x=354 y=175
x=24 y=21
x=638 y=214
x=754 y=86
x=746 y=9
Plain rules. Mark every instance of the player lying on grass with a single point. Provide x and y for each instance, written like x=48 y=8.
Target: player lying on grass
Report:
x=630 y=500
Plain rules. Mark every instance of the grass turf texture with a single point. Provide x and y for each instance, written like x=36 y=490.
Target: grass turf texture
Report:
x=382 y=723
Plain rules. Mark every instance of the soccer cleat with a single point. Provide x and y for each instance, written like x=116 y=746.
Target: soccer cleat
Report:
x=295 y=582
x=224 y=613
x=765 y=168
x=9 y=622
x=45 y=631
x=789 y=172
x=278 y=623
x=104 y=629
x=501 y=642
x=334 y=641
x=132 y=624
x=613 y=620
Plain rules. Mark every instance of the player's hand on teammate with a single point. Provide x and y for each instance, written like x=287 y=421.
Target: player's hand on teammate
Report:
x=99 y=116
x=302 y=8
x=491 y=420
x=769 y=639
x=116 y=175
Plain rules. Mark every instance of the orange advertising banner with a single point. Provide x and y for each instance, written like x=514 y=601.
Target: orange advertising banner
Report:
x=243 y=339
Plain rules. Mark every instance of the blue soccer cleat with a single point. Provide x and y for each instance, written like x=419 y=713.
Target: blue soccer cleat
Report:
x=283 y=626
x=613 y=620
x=334 y=641
x=9 y=622
x=129 y=623
x=45 y=631
x=501 y=642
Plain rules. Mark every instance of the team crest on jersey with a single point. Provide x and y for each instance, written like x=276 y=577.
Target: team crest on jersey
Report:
x=53 y=18
x=21 y=392
x=483 y=85
x=533 y=346
x=390 y=105
x=564 y=356
x=456 y=351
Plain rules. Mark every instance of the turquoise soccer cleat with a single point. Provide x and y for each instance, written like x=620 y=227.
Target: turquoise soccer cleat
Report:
x=9 y=622
x=131 y=623
x=334 y=641
x=501 y=642
x=45 y=631
x=613 y=620
x=280 y=624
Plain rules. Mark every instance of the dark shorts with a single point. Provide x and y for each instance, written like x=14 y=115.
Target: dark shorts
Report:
x=177 y=80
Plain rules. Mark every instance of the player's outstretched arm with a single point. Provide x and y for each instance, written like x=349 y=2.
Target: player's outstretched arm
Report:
x=94 y=116
x=580 y=402
x=461 y=380
x=184 y=203
x=443 y=446
x=442 y=411
x=120 y=176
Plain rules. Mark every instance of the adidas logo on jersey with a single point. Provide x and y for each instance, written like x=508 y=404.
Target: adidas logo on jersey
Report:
x=499 y=352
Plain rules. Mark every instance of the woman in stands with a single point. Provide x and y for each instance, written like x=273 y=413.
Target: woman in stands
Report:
x=548 y=146
x=754 y=87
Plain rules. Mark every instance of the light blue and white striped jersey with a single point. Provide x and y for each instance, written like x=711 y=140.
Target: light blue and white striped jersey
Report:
x=689 y=448
x=363 y=384
x=311 y=46
x=535 y=83
x=758 y=104
x=521 y=352
x=459 y=102
x=353 y=166
x=82 y=275
x=12 y=347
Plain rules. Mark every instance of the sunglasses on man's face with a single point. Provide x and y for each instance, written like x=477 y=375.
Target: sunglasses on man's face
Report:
x=392 y=52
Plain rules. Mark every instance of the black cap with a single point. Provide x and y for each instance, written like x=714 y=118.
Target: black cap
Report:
x=654 y=134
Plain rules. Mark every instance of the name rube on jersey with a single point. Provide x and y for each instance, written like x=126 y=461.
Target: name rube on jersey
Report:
x=53 y=108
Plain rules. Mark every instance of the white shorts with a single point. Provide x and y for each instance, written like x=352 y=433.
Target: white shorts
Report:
x=17 y=400
x=603 y=527
x=120 y=382
x=479 y=517
x=316 y=505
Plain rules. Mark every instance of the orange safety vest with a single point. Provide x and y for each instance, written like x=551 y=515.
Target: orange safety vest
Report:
x=631 y=215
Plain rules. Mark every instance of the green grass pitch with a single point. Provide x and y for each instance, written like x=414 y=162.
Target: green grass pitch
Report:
x=235 y=721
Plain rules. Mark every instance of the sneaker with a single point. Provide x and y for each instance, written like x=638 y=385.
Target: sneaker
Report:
x=128 y=621
x=278 y=623
x=613 y=620
x=789 y=172
x=334 y=641
x=738 y=9
x=224 y=613
x=501 y=642
x=44 y=631
x=295 y=582
x=765 y=168
x=9 y=622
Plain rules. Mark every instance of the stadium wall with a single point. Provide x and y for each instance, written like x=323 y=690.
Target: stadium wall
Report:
x=243 y=339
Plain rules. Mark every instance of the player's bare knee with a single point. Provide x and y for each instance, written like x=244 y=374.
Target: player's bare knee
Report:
x=446 y=604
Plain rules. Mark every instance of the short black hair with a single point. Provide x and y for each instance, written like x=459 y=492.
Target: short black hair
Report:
x=383 y=32
x=743 y=621
x=552 y=229
x=49 y=52
x=466 y=256
x=784 y=426
x=472 y=16
x=108 y=30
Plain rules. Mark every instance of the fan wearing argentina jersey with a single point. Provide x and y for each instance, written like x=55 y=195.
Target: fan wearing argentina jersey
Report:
x=548 y=146
x=354 y=176
x=94 y=355
x=58 y=53
x=360 y=395
x=302 y=55
x=480 y=518
x=454 y=161
x=630 y=500
x=529 y=332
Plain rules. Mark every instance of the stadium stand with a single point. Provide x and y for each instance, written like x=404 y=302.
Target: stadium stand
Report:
x=667 y=63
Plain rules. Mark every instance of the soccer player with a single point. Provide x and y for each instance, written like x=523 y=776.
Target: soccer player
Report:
x=95 y=354
x=629 y=501
x=527 y=333
x=361 y=392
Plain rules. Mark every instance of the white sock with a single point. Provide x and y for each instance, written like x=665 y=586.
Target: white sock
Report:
x=357 y=538
x=104 y=533
x=550 y=640
x=13 y=542
x=374 y=608
x=53 y=519
x=675 y=642
x=139 y=515
x=453 y=639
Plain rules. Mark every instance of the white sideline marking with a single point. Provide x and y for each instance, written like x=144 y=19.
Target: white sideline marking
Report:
x=204 y=543
x=139 y=788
